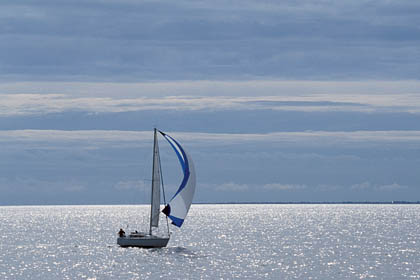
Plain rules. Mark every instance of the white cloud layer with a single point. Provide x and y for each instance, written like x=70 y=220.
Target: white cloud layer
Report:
x=369 y=96
x=106 y=137
x=368 y=186
x=283 y=187
x=33 y=185
x=231 y=187
x=131 y=185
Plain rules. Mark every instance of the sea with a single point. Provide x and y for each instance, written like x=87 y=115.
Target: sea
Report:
x=217 y=241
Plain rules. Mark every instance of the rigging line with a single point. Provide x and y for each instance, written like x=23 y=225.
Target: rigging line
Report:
x=155 y=152
x=161 y=181
x=163 y=192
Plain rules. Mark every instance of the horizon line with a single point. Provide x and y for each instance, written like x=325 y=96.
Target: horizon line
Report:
x=233 y=203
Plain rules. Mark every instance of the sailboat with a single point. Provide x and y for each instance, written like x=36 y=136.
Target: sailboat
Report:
x=177 y=208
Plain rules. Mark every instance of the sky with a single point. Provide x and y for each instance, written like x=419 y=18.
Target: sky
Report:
x=276 y=101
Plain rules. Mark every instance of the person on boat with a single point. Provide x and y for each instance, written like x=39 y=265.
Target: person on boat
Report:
x=121 y=233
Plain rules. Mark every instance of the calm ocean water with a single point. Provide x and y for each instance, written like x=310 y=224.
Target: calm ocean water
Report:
x=216 y=241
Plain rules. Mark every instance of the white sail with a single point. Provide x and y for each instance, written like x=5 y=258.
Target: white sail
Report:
x=177 y=208
x=155 y=203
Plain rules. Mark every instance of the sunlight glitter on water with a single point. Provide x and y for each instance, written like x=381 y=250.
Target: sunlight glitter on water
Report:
x=216 y=241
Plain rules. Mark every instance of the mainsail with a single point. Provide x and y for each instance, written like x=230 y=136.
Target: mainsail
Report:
x=155 y=205
x=178 y=206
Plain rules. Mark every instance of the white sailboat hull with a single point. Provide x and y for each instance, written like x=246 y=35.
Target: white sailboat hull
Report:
x=146 y=241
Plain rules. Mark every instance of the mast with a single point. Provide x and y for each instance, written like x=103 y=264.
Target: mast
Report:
x=156 y=181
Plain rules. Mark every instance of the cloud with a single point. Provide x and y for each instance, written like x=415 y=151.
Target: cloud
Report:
x=134 y=40
x=30 y=185
x=237 y=187
x=302 y=188
x=328 y=188
x=238 y=88
x=367 y=186
x=231 y=187
x=45 y=138
x=362 y=186
x=131 y=185
x=30 y=104
x=283 y=187
x=225 y=187
x=391 y=187
x=310 y=96
x=86 y=136
x=270 y=187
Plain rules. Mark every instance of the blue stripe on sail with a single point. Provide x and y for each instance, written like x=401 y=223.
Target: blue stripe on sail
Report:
x=176 y=221
x=184 y=164
x=180 y=157
x=183 y=184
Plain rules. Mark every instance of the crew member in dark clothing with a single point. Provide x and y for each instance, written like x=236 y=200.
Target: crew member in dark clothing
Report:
x=121 y=233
